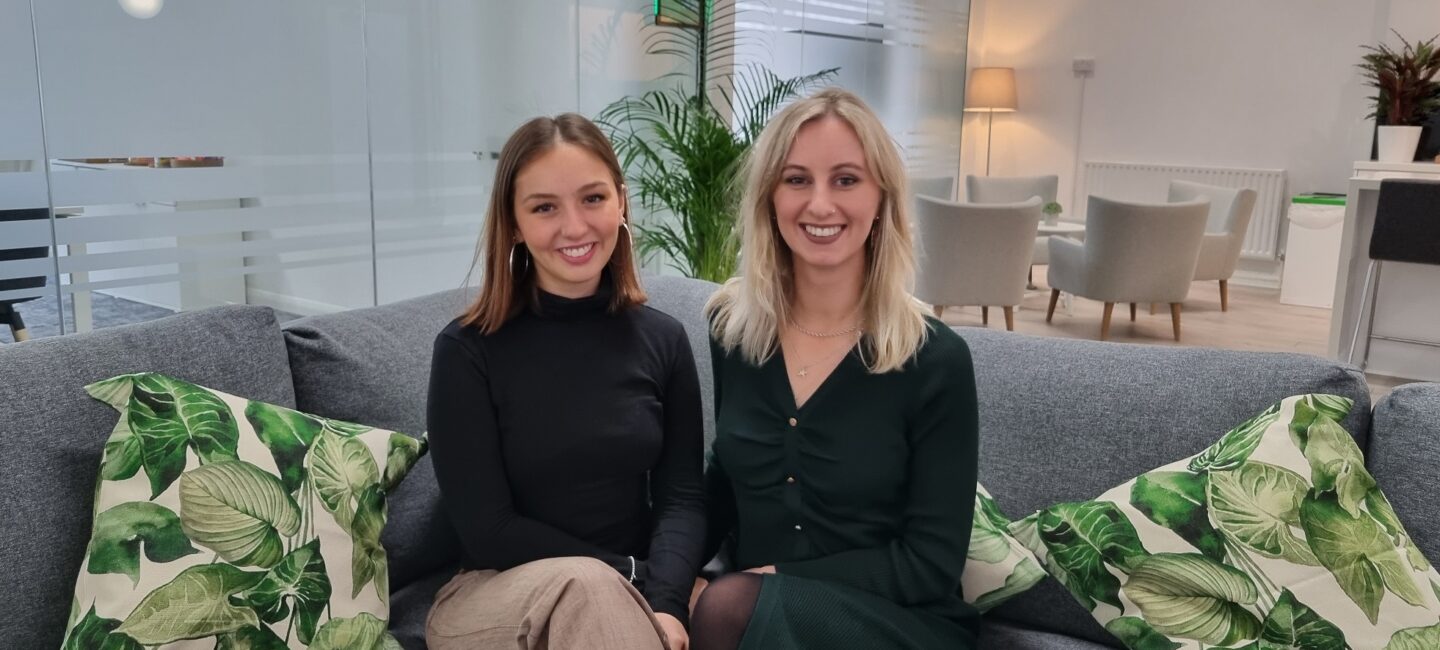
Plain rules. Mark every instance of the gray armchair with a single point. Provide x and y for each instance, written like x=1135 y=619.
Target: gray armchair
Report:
x=1229 y=219
x=940 y=187
x=972 y=254
x=1013 y=189
x=1133 y=252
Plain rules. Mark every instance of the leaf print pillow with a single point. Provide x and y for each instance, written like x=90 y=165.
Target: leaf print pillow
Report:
x=226 y=523
x=997 y=566
x=1274 y=537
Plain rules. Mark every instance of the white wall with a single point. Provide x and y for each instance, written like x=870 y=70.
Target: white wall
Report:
x=1220 y=83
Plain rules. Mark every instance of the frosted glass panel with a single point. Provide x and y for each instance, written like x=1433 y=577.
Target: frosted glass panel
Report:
x=28 y=295
x=214 y=154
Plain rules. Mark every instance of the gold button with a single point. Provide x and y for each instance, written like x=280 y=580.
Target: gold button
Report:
x=790 y=479
x=793 y=422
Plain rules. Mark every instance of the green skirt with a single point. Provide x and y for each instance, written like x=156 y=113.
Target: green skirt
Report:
x=795 y=613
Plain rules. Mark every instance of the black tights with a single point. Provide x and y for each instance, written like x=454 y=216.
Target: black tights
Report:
x=723 y=612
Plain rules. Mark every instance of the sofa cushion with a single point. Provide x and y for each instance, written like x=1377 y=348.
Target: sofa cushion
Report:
x=1276 y=532
x=256 y=522
x=1404 y=454
x=53 y=434
x=1053 y=412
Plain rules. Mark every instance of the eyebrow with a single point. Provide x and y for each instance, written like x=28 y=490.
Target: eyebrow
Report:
x=543 y=195
x=840 y=166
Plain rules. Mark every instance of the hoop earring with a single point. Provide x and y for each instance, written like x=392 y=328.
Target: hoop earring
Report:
x=625 y=223
x=512 y=260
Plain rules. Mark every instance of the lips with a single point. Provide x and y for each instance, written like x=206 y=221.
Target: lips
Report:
x=822 y=234
x=578 y=254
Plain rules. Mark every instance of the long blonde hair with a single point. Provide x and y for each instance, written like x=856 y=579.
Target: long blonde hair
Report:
x=509 y=281
x=747 y=311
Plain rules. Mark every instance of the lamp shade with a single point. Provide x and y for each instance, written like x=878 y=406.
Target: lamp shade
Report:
x=991 y=90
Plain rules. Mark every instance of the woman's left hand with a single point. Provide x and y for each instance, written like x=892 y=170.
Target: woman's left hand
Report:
x=676 y=638
x=762 y=570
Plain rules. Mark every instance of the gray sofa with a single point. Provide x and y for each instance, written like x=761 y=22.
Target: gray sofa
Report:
x=1060 y=420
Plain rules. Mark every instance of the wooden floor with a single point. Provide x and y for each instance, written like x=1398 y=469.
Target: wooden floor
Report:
x=1256 y=321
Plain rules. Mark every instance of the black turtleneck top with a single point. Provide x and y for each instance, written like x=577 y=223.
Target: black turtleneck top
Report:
x=572 y=431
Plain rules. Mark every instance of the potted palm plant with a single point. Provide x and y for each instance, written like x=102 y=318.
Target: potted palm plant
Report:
x=682 y=146
x=1406 y=93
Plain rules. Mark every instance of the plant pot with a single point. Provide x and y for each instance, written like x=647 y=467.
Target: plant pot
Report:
x=1398 y=143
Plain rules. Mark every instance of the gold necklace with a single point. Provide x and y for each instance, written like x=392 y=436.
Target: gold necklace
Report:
x=804 y=370
x=825 y=335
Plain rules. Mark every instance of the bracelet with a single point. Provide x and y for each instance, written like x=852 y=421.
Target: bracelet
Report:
x=632 y=569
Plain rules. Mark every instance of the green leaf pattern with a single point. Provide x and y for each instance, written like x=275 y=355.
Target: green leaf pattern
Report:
x=267 y=584
x=1280 y=508
x=121 y=531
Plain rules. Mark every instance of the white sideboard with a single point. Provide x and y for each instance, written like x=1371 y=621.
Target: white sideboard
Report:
x=1409 y=294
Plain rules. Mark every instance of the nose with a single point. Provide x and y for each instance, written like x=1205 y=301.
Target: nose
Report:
x=572 y=223
x=820 y=204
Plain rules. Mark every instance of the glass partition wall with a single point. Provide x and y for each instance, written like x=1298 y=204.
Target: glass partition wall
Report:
x=331 y=154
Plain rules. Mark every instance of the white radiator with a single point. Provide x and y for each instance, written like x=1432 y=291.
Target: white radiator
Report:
x=1150 y=183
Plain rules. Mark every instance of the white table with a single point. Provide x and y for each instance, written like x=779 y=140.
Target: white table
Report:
x=1408 y=304
x=1062 y=228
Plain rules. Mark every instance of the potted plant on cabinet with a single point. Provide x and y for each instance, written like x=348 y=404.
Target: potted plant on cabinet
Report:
x=1406 y=93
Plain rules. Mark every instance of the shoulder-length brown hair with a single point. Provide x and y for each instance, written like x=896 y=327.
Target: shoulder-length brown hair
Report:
x=509 y=282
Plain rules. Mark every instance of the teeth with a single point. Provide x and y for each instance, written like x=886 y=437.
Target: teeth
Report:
x=822 y=232
x=577 y=251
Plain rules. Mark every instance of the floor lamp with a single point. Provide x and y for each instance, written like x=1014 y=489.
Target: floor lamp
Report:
x=992 y=90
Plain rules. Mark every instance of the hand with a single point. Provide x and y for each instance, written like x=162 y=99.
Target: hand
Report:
x=676 y=638
x=762 y=570
x=700 y=585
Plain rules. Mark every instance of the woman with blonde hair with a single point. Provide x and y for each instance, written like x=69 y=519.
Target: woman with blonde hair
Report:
x=565 y=420
x=844 y=462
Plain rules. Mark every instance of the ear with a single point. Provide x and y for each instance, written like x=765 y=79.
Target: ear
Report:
x=624 y=203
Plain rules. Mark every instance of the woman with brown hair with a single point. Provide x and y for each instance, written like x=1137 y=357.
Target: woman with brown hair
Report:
x=565 y=420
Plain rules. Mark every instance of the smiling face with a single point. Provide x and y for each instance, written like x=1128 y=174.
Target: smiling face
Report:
x=568 y=212
x=828 y=199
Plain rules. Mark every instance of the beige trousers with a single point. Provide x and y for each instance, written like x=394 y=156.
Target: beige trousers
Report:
x=554 y=604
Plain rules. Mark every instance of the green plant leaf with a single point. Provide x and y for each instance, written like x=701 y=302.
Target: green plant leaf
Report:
x=1176 y=500
x=1081 y=539
x=1191 y=596
x=403 y=453
x=1290 y=624
x=195 y=604
x=1415 y=638
x=1336 y=464
x=1136 y=634
x=341 y=468
x=989 y=539
x=367 y=558
x=388 y=642
x=239 y=511
x=1309 y=407
x=169 y=416
x=1358 y=553
x=1384 y=514
x=114 y=391
x=120 y=531
x=364 y=631
x=1258 y=505
x=1021 y=579
x=1435 y=587
x=288 y=434
x=299 y=583
x=124 y=454
x=1237 y=445
x=250 y=638
x=345 y=429
x=95 y=633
